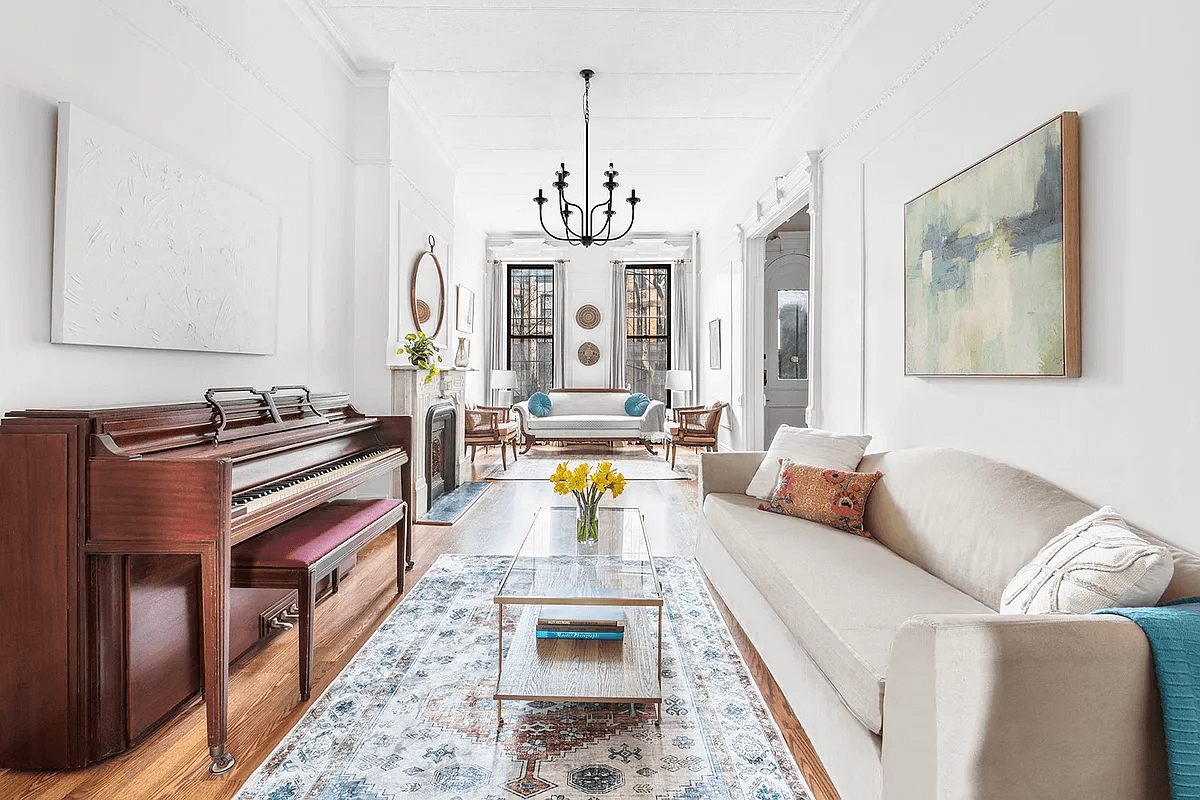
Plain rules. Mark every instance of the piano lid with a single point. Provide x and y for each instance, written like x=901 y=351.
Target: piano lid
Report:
x=132 y=431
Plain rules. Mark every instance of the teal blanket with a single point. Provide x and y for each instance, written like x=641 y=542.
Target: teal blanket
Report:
x=1174 y=633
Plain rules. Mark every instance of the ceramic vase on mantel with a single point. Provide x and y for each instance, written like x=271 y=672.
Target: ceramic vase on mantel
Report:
x=464 y=352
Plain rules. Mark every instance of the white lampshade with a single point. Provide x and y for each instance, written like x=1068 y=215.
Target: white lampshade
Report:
x=679 y=380
x=504 y=379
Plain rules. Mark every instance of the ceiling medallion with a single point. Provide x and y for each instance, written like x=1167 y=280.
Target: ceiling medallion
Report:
x=587 y=233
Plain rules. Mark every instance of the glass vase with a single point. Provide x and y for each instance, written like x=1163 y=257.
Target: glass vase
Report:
x=587 y=520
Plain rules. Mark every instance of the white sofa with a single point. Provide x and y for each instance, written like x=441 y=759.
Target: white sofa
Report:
x=894 y=658
x=591 y=415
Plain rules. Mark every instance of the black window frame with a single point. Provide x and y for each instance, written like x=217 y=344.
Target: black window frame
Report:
x=510 y=337
x=667 y=335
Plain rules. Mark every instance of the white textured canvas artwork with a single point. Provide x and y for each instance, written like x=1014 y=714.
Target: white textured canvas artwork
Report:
x=150 y=251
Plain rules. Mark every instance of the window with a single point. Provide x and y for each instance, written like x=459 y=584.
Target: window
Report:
x=793 y=334
x=531 y=329
x=648 y=329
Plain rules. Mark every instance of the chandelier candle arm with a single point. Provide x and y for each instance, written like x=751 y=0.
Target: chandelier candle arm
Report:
x=587 y=234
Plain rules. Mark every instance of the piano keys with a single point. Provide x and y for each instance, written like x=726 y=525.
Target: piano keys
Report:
x=114 y=519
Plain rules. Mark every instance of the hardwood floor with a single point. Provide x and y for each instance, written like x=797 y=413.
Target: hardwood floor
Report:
x=263 y=691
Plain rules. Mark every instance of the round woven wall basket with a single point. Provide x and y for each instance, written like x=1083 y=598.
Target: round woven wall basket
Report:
x=423 y=312
x=589 y=354
x=587 y=317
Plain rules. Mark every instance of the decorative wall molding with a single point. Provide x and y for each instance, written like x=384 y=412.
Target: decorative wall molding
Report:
x=186 y=12
x=650 y=250
x=314 y=18
x=531 y=249
x=916 y=67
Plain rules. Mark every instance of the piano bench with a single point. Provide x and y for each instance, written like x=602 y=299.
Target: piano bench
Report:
x=304 y=550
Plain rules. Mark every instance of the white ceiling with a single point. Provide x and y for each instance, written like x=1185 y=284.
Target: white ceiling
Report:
x=684 y=89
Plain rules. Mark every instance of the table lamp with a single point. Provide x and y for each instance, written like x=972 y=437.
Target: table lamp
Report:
x=679 y=380
x=504 y=380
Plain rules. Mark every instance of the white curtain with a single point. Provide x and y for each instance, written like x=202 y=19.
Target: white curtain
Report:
x=560 y=324
x=496 y=302
x=616 y=347
x=683 y=327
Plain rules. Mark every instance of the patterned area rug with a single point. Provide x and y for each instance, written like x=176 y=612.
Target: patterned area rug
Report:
x=412 y=715
x=539 y=464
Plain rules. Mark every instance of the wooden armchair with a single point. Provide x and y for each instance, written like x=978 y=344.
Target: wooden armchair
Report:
x=693 y=426
x=490 y=425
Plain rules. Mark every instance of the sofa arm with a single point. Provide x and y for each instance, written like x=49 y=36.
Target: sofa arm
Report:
x=992 y=706
x=654 y=421
x=727 y=472
x=521 y=409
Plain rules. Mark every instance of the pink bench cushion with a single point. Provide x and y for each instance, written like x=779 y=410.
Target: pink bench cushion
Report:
x=304 y=540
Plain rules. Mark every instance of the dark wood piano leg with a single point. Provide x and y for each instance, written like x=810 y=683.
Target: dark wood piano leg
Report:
x=307 y=591
x=214 y=589
x=409 y=513
x=401 y=558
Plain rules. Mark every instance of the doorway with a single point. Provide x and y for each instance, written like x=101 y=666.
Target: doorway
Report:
x=785 y=324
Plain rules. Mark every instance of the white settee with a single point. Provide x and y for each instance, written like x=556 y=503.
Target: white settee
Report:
x=894 y=658
x=578 y=415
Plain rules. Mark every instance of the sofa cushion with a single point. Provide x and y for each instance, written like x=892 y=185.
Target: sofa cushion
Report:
x=570 y=403
x=636 y=404
x=584 y=423
x=1096 y=563
x=843 y=597
x=827 y=496
x=816 y=448
x=969 y=520
x=540 y=404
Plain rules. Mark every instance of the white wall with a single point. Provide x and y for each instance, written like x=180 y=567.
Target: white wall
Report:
x=925 y=89
x=470 y=257
x=241 y=90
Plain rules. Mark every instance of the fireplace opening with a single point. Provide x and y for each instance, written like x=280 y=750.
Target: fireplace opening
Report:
x=441 y=449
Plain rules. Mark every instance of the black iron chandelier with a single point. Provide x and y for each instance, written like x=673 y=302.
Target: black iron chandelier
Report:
x=587 y=234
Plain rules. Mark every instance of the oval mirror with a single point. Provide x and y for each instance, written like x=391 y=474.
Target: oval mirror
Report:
x=428 y=292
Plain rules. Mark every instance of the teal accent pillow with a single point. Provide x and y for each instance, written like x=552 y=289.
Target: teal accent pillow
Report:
x=636 y=404
x=539 y=404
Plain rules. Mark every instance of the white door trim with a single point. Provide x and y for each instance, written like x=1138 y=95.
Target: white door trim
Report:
x=791 y=192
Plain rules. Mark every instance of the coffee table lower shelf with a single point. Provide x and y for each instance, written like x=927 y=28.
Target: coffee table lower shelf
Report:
x=583 y=670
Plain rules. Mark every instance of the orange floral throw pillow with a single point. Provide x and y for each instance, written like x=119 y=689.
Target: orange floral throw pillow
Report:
x=828 y=496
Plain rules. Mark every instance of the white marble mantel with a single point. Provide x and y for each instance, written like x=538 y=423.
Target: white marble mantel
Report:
x=412 y=396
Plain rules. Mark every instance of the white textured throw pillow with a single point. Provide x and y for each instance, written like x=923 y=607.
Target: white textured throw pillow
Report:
x=810 y=446
x=1096 y=563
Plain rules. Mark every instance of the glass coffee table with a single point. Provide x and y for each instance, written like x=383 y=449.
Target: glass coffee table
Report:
x=553 y=568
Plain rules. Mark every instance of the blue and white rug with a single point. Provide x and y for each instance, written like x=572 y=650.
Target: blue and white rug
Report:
x=412 y=715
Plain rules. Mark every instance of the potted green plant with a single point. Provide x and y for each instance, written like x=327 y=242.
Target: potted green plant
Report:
x=422 y=352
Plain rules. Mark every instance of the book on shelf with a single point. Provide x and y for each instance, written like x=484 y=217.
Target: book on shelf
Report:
x=611 y=635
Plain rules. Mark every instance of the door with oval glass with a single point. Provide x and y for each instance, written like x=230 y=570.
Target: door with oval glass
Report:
x=785 y=368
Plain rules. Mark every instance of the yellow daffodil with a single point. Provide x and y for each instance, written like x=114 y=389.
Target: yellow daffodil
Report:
x=618 y=484
x=579 y=478
x=562 y=473
x=562 y=487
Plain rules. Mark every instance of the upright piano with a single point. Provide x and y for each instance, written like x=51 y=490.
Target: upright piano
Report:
x=115 y=532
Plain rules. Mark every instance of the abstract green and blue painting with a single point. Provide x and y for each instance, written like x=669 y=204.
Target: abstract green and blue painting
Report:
x=990 y=284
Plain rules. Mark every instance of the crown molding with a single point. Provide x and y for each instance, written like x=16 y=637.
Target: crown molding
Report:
x=314 y=18
x=650 y=250
x=399 y=94
x=531 y=249
x=958 y=27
